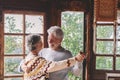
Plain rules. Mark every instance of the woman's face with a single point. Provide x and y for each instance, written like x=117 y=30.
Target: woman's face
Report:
x=38 y=47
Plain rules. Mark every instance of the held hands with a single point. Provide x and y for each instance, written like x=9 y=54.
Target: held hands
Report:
x=80 y=57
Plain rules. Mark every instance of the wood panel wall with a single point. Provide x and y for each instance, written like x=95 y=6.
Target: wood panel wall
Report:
x=53 y=9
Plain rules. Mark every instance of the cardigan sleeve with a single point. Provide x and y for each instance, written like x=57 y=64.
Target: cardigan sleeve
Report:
x=59 y=65
x=40 y=66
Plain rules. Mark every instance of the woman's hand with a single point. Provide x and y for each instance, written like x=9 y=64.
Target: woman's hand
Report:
x=80 y=56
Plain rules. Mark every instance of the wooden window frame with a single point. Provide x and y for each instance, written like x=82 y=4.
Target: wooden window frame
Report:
x=21 y=34
x=114 y=24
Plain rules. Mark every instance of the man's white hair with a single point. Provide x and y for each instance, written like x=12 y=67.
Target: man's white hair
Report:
x=56 y=31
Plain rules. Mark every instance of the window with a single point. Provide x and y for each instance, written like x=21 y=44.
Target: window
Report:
x=73 y=27
x=107 y=45
x=17 y=25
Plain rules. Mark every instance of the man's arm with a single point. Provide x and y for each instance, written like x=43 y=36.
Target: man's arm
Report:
x=78 y=68
x=19 y=67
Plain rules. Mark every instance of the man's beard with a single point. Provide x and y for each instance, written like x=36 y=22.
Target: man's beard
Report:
x=54 y=46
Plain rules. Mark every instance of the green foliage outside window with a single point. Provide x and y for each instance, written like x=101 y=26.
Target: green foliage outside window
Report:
x=105 y=46
x=12 y=45
x=104 y=63
x=73 y=27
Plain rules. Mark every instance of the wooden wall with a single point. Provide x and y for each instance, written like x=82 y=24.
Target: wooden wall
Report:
x=53 y=9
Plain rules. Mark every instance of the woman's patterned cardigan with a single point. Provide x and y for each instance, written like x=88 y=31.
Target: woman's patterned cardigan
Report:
x=41 y=67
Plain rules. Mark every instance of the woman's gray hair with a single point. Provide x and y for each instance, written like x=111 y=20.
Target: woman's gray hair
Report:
x=33 y=39
x=56 y=31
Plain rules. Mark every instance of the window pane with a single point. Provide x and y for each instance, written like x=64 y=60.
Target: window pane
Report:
x=104 y=63
x=34 y=23
x=13 y=23
x=117 y=63
x=11 y=65
x=13 y=44
x=16 y=26
x=118 y=32
x=105 y=32
x=72 y=25
x=104 y=47
x=13 y=78
x=118 y=47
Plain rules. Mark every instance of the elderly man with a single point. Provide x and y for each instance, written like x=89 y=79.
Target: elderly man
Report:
x=55 y=52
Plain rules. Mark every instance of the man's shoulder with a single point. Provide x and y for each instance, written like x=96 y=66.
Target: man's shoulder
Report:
x=67 y=53
x=44 y=49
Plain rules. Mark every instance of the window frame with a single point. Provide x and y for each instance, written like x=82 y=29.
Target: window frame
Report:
x=114 y=40
x=21 y=34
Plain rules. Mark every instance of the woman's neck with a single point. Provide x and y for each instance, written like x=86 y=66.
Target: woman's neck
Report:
x=34 y=52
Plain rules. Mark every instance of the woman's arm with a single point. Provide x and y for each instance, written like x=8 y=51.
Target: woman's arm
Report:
x=45 y=66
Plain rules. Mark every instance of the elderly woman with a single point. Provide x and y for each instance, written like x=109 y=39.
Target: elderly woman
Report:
x=38 y=68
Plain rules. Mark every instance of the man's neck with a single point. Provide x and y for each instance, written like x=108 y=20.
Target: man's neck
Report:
x=58 y=48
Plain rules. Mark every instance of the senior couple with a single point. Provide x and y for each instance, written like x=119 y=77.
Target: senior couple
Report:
x=54 y=62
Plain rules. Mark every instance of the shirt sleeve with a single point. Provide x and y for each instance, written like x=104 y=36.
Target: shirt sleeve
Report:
x=28 y=58
x=19 y=67
x=77 y=69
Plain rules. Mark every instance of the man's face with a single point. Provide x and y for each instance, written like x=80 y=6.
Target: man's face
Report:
x=53 y=42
